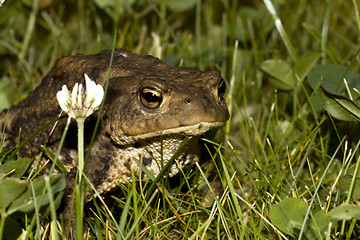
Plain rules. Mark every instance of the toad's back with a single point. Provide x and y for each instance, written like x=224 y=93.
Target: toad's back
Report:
x=149 y=109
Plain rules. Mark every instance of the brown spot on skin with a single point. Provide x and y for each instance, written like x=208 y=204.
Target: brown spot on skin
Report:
x=90 y=176
x=146 y=160
x=71 y=174
x=95 y=73
x=108 y=145
x=98 y=180
x=57 y=73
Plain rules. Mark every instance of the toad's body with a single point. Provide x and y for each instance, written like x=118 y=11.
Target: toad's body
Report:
x=150 y=108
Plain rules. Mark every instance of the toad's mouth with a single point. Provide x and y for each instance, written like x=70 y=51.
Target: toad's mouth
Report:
x=191 y=130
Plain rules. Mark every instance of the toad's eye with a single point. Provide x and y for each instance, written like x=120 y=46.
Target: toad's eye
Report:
x=150 y=97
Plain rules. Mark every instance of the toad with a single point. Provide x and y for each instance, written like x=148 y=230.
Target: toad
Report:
x=150 y=108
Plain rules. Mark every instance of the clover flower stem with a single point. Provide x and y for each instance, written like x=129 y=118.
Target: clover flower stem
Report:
x=80 y=123
x=79 y=193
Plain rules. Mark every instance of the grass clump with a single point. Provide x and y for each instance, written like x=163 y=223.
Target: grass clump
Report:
x=284 y=166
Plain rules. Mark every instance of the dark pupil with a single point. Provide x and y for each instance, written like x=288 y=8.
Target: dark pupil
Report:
x=150 y=97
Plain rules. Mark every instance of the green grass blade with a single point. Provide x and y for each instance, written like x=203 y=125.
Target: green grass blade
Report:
x=281 y=30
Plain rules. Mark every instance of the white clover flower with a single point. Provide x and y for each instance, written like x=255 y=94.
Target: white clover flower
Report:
x=1 y=2
x=80 y=103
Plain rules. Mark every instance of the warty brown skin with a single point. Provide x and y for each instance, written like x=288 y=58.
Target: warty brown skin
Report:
x=191 y=103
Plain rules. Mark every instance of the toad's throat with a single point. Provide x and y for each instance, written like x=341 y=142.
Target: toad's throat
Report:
x=153 y=154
